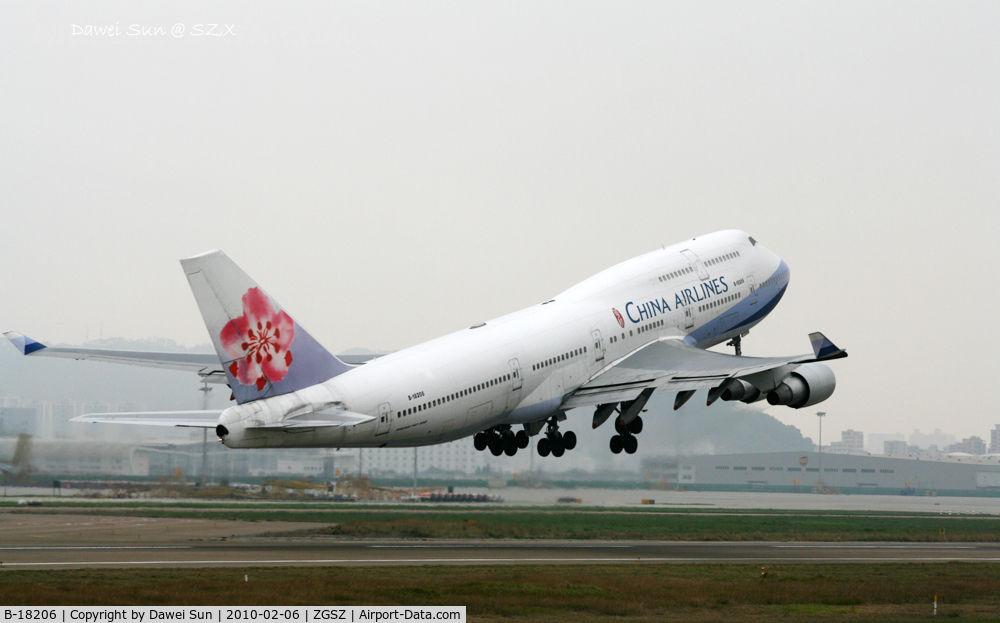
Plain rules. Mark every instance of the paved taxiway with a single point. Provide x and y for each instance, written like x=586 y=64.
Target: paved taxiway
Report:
x=624 y=498
x=68 y=541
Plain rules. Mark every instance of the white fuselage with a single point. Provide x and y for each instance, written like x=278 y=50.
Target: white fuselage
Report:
x=519 y=368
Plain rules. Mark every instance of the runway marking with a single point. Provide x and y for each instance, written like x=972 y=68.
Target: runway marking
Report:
x=75 y=547
x=913 y=547
x=510 y=546
x=749 y=560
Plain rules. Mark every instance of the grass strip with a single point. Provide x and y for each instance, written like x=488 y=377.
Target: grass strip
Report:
x=266 y=505
x=480 y=524
x=790 y=592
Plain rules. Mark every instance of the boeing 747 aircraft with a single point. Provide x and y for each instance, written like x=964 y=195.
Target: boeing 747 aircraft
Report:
x=607 y=343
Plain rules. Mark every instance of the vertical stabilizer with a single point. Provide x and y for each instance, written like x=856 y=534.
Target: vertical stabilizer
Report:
x=262 y=349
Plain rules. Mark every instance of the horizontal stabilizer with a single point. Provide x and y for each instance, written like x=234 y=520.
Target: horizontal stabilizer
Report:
x=318 y=419
x=189 y=419
x=205 y=364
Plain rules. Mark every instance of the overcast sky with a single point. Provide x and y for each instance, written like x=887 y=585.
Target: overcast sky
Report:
x=393 y=171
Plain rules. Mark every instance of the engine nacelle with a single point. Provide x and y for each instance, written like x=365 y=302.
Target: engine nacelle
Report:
x=738 y=389
x=808 y=384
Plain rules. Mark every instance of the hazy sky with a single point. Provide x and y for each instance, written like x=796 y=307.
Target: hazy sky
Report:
x=392 y=171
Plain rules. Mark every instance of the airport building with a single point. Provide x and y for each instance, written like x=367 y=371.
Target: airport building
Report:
x=851 y=442
x=847 y=473
x=73 y=458
x=456 y=457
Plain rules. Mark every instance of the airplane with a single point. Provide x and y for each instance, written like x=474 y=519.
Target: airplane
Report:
x=607 y=343
x=19 y=467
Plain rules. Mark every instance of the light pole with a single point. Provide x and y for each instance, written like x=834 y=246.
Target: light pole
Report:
x=820 y=415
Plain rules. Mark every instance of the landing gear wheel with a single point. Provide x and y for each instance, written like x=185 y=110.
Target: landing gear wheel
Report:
x=496 y=449
x=495 y=444
x=522 y=439
x=617 y=444
x=558 y=449
x=569 y=440
x=635 y=426
x=620 y=428
x=544 y=447
x=631 y=444
x=509 y=443
x=480 y=441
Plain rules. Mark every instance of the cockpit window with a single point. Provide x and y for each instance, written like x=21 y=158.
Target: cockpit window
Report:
x=752 y=241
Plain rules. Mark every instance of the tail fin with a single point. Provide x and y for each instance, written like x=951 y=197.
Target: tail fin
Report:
x=263 y=351
x=22 y=454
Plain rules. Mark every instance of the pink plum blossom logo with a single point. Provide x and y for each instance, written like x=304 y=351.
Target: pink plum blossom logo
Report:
x=258 y=341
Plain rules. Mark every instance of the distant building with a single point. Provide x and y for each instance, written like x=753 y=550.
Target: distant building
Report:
x=853 y=441
x=970 y=445
x=838 y=447
x=875 y=442
x=99 y=458
x=799 y=471
x=457 y=457
x=659 y=469
x=926 y=440
x=895 y=448
x=995 y=440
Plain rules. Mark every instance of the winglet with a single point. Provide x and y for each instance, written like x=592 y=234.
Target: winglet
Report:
x=824 y=349
x=23 y=343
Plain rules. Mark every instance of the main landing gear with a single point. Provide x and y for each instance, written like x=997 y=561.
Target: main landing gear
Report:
x=628 y=424
x=555 y=442
x=625 y=439
x=501 y=440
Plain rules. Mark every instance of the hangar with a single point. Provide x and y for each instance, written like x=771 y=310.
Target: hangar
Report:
x=846 y=473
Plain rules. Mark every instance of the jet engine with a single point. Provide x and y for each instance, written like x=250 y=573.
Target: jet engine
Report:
x=808 y=384
x=738 y=389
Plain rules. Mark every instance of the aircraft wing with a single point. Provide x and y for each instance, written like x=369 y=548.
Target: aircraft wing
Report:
x=188 y=419
x=674 y=366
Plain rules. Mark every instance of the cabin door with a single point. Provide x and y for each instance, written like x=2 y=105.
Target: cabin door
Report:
x=595 y=337
x=384 y=418
x=753 y=289
x=515 y=375
x=695 y=262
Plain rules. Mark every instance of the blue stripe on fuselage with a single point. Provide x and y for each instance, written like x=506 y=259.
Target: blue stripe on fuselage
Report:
x=747 y=315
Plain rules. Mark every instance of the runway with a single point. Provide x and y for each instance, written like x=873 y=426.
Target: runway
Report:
x=67 y=541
